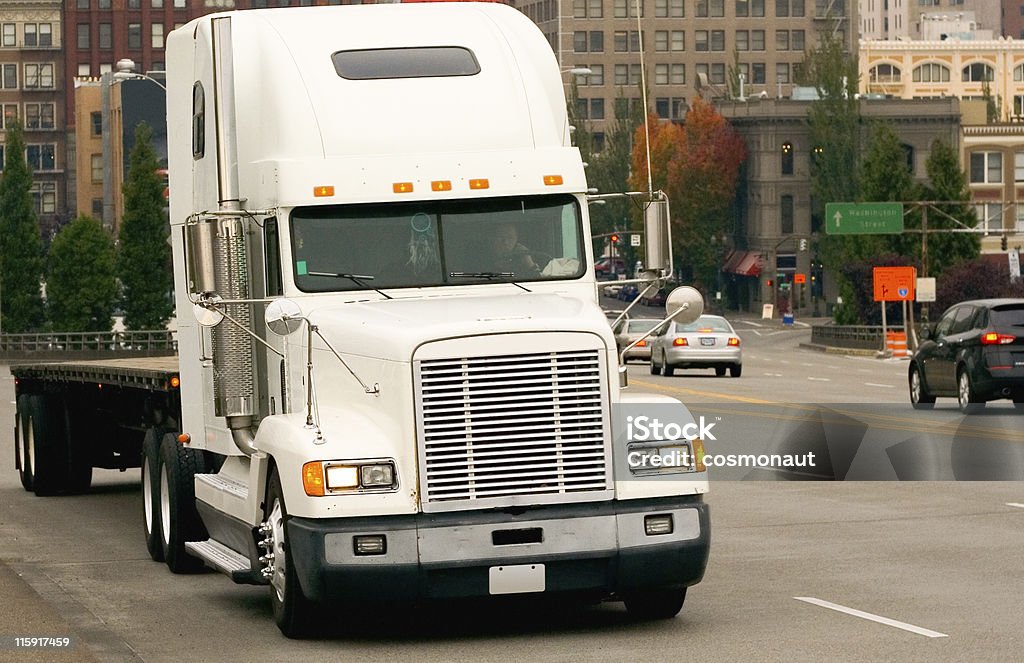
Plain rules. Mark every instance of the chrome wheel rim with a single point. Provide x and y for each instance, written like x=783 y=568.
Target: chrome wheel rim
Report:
x=165 y=508
x=147 y=496
x=280 y=564
x=31 y=437
x=915 y=387
x=964 y=392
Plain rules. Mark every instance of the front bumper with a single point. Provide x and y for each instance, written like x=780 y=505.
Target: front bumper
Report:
x=590 y=548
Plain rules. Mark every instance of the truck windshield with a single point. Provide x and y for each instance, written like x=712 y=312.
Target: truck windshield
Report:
x=452 y=242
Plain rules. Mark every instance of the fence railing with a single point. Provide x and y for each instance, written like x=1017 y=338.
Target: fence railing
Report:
x=149 y=342
x=865 y=337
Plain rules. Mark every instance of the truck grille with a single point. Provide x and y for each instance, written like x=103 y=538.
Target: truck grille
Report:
x=492 y=429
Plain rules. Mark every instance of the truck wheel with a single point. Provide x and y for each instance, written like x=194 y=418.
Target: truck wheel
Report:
x=48 y=444
x=179 y=521
x=293 y=612
x=151 y=494
x=655 y=603
x=24 y=442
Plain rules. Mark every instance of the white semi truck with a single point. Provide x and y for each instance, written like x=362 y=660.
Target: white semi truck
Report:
x=378 y=392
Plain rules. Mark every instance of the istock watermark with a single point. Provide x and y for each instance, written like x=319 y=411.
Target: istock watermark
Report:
x=643 y=428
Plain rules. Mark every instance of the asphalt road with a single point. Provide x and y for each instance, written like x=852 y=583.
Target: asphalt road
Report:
x=791 y=562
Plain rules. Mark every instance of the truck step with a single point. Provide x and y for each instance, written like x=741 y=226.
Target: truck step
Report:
x=225 y=484
x=225 y=560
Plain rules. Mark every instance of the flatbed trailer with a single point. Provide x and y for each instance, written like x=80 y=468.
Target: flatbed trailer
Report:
x=72 y=417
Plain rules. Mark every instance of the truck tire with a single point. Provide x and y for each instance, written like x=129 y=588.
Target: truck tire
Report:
x=151 y=494
x=655 y=603
x=179 y=520
x=24 y=442
x=48 y=444
x=294 y=614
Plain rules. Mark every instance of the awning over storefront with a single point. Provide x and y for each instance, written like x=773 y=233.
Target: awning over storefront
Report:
x=743 y=263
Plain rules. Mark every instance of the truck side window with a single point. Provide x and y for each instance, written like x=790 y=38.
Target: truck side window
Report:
x=198 y=121
x=271 y=242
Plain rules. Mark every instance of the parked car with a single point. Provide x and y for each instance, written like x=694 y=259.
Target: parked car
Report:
x=975 y=353
x=628 y=292
x=655 y=298
x=612 y=290
x=628 y=331
x=607 y=266
x=708 y=342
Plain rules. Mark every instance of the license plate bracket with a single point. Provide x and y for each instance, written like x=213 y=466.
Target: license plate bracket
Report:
x=705 y=340
x=516 y=579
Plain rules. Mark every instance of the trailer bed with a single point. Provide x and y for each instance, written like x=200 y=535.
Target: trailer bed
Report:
x=150 y=373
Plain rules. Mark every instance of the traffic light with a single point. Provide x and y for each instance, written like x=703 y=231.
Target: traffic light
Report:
x=1003 y=243
x=770 y=283
x=615 y=238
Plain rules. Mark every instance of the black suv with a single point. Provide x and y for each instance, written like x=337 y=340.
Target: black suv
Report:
x=975 y=353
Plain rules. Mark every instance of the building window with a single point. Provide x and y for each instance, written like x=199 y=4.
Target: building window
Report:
x=1018 y=71
x=742 y=40
x=44 y=197
x=134 y=4
x=797 y=40
x=786 y=214
x=669 y=9
x=103 y=4
x=782 y=72
x=96 y=161
x=84 y=69
x=83 y=35
x=597 y=108
x=106 y=40
x=39 y=116
x=10 y=35
x=701 y=8
x=757 y=73
x=782 y=8
x=717 y=8
x=884 y=73
x=596 y=76
x=41 y=156
x=157 y=34
x=931 y=73
x=986 y=167
x=1018 y=105
x=96 y=123
x=626 y=9
x=718 y=40
x=677 y=74
x=158 y=4
x=97 y=208
x=579 y=41
x=677 y=40
x=39 y=76
x=757 y=40
x=8 y=112
x=787 y=158
x=621 y=74
x=9 y=76
x=661 y=40
x=757 y=8
x=134 y=35
x=700 y=41
x=83 y=4
x=661 y=78
x=782 y=40
x=977 y=72
x=990 y=216
x=179 y=4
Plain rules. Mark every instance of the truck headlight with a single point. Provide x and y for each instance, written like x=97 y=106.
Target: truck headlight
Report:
x=327 y=477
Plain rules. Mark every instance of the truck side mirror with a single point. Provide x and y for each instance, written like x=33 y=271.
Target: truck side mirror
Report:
x=284 y=317
x=658 y=250
x=684 y=304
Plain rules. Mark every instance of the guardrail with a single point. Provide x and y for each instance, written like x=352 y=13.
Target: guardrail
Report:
x=63 y=345
x=864 y=337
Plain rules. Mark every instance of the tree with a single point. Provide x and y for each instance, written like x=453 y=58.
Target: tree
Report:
x=21 y=246
x=81 y=285
x=885 y=176
x=698 y=165
x=144 y=260
x=834 y=126
x=948 y=186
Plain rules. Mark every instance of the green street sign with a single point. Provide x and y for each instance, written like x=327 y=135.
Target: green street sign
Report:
x=863 y=218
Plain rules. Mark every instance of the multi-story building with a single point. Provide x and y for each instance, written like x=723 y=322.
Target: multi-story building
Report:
x=31 y=90
x=1013 y=18
x=776 y=209
x=913 y=19
x=685 y=43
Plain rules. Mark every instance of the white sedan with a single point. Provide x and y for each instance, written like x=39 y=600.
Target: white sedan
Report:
x=710 y=342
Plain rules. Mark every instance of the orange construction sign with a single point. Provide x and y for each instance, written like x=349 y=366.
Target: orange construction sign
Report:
x=799 y=278
x=894 y=284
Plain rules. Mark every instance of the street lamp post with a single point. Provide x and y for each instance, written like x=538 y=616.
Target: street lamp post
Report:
x=126 y=72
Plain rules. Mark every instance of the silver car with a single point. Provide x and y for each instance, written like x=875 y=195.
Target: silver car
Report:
x=628 y=331
x=709 y=342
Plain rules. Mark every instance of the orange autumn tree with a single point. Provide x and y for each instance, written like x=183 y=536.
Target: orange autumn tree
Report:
x=698 y=165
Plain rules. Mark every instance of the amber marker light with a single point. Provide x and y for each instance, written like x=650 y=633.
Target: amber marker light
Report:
x=441 y=185
x=323 y=191
x=175 y=382
x=698 y=455
x=402 y=187
x=552 y=180
x=313 y=479
x=184 y=438
x=479 y=184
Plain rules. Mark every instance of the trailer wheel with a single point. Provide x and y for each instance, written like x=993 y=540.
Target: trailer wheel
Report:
x=179 y=521
x=151 y=494
x=48 y=445
x=294 y=614
x=24 y=442
x=655 y=603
